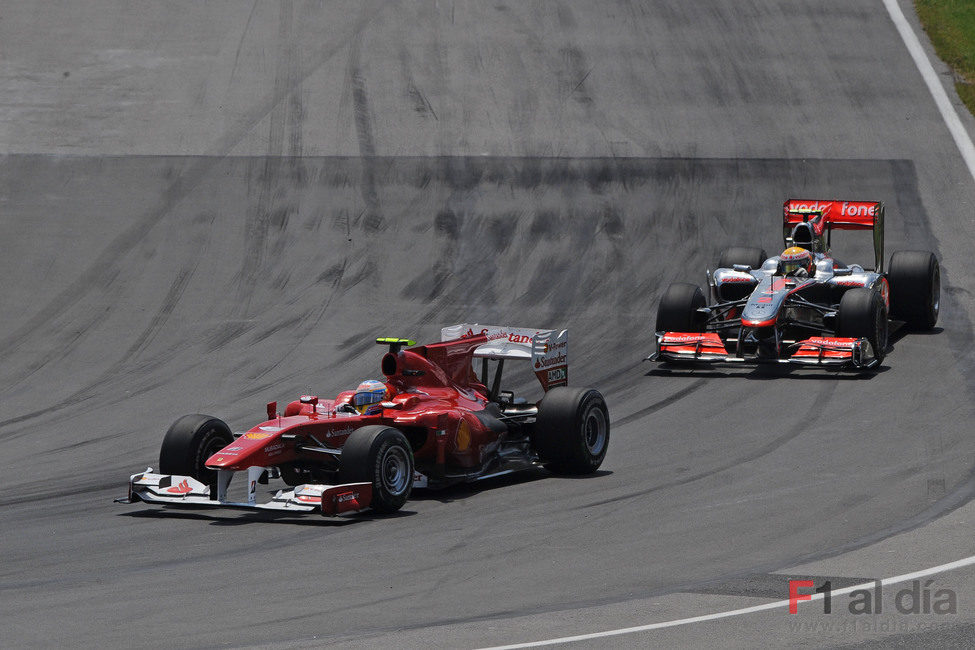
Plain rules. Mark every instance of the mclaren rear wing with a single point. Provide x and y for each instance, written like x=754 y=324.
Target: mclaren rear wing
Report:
x=827 y=215
x=548 y=350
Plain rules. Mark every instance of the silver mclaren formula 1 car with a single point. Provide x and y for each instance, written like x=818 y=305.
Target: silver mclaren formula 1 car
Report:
x=803 y=306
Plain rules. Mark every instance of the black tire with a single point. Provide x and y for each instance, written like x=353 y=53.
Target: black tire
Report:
x=381 y=456
x=189 y=442
x=915 y=288
x=571 y=432
x=863 y=314
x=677 y=311
x=748 y=255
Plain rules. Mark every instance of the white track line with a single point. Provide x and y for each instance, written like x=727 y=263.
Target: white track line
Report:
x=924 y=66
x=941 y=568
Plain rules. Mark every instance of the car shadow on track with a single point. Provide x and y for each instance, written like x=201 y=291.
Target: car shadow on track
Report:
x=454 y=493
x=463 y=491
x=762 y=372
x=243 y=518
x=896 y=334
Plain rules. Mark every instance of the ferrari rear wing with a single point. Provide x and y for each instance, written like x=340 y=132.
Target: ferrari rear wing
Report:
x=824 y=216
x=547 y=350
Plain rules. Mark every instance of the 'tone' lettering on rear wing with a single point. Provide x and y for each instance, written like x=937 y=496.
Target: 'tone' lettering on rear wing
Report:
x=828 y=215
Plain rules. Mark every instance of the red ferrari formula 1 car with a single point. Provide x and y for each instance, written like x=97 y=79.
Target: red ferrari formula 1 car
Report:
x=430 y=422
x=803 y=306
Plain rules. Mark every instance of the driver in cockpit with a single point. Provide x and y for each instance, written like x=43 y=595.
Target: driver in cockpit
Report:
x=369 y=396
x=797 y=262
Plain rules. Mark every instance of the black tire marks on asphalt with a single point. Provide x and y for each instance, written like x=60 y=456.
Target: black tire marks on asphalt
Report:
x=118 y=371
x=274 y=181
x=186 y=180
x=662 y=403
x=356 y=84
x=802 y=424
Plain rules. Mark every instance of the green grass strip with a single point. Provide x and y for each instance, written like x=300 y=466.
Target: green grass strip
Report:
x=950 y=25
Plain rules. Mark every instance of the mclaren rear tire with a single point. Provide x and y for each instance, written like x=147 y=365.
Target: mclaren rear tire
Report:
x=678 y=309
x=190 y=442
x=571 y=433
x=915 y=288
x=383 y=457
x=750 y=256
x=863 y=314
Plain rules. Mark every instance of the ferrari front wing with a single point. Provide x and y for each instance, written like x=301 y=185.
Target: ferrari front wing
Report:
x=816 y=351
x=172 y=489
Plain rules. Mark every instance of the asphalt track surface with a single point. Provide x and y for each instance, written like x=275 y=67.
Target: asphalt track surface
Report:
x=205 y=207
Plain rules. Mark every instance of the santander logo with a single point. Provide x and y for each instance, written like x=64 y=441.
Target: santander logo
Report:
x=553 y=361
x=494 y=335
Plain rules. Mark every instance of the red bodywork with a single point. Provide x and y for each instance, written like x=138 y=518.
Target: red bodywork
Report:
x=826 y=347
x=707 y=346
x=697 y=344
x=825 y=216
x=434 y=389
x=839 y=215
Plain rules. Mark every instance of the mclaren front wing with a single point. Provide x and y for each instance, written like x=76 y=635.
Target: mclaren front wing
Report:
x=708 y=347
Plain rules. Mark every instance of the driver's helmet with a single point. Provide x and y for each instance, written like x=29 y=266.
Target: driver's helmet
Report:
x=795 y=258
x=368 y=396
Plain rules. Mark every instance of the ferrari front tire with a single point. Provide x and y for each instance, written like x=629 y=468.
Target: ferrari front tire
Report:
x=677 y=311
x=915 y=288
x=863 y=314
x=383 y=457
x=571 y=432
x=190 y=441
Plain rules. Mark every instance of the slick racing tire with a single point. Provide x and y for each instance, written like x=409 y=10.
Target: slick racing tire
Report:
x=863 y=314
x=381 y=456
x=677 y=311
x=571 y=432
x=915 y=288
x=748 y=255
x=189 y=442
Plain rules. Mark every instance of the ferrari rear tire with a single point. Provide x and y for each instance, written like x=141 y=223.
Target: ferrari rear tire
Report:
x=383 y=457
x=749 y=255
x=915 y=288
x=190 y=441
x=571 y=432
x=863 y=314
x=677 y=311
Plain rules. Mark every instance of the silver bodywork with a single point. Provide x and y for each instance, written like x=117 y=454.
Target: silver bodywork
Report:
x=762 y=316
